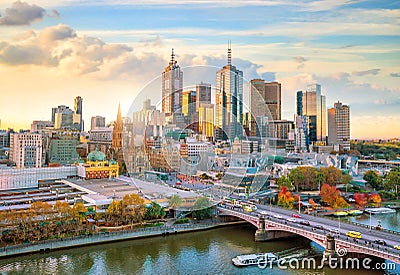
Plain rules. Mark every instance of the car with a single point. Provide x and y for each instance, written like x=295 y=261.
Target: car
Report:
x=305 y=223
x=353 y=234
x=247 y=208
x=291 y=220
x=263 y=212
x=277 y=216
x=296 y=216
x=334 y=230
x=396 y=247
x=318 y=227
x=381 y=242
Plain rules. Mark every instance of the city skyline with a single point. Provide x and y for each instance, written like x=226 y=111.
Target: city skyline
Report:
x=120 y=49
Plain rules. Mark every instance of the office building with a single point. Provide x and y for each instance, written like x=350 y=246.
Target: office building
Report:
x=78 y=111
x=97 y=122
x=26 y=150
x=65 y=118
x=63 y=150
x=172 y=84
x=38 y=126
x=229 y=102
x=339 y=126
x=203 y=94
x=312 y=105
x=188 y=106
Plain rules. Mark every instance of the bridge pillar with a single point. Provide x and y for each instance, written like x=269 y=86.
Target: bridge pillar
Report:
x=330 y=248
x=261 y=233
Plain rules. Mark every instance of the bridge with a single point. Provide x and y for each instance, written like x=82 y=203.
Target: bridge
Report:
x=272 y=223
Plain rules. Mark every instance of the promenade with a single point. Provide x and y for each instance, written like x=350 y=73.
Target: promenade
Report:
x=105 y=237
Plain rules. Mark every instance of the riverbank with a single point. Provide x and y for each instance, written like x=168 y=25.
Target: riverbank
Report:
x=107 y=237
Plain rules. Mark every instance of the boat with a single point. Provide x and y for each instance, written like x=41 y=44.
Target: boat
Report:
x=255 y=259
x=355 y=212
x=379 y=210
x=340 y=214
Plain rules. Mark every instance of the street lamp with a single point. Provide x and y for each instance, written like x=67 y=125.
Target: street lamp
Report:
x=370 y=222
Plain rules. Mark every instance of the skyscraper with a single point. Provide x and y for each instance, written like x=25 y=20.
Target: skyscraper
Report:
x=313 y=105
x=339 y=126
x=203 y=94
x=229 y=101
x=172 y=83
x=78 y=110
x=188 y=105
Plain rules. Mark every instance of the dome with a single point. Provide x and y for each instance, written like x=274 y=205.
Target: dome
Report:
x=112 y=162
x=96 y=155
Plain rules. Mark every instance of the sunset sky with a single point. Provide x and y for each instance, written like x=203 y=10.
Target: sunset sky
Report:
x=107 y=51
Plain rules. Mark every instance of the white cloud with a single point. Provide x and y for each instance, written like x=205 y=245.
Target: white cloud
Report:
x=22 y=13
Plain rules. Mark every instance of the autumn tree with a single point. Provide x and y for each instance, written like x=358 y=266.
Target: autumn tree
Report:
x=133 y=208
x=331 y=196
x=333 y=175
x=285 y=198
x=361 y=199
x=114 y=212
x=284 y=181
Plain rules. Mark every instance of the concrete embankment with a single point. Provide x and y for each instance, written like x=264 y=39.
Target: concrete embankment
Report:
x=105 y=237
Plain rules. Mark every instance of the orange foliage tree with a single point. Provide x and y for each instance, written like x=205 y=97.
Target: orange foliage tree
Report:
x=331 y=196
x=285 y=198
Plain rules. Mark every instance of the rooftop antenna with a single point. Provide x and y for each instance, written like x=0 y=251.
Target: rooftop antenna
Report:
x=229 y=53
x=172 y=56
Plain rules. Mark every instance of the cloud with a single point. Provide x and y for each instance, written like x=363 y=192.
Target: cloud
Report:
x=367 y=72
x=21 y=13
x=395 y=74
x=299 y=59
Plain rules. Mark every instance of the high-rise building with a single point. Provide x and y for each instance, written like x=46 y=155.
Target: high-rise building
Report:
x=188 y=105
x=206 y=120
x=339 y=126
x=203 y=94
x=313 y=105
x=26 y=150
x=229 y=102
x=63 y=150
x=78 y=111
x=148 y=120
x=172 y=84
x=65 y=118
x=301 y=133
x=265 y=100
x=97 y=122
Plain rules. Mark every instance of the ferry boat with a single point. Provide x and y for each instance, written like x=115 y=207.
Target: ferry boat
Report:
x=355 y=212
x=340 y=214
x=379 y=210
x=255 y=259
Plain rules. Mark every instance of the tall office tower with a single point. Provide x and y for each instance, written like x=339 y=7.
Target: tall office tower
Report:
x=229 y=102
x=26 y=150
x=265 y=100
x=172 y=83
x=188 y=105
x=203 y=94
x=339 y=126
x=78 y=110
x=97 y=122
x=301 y=133
x=313 y=105
x=206 y=120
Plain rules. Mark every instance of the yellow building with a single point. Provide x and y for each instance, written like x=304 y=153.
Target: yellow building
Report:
x=97 y=167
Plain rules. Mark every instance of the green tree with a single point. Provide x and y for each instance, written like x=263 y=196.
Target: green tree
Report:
x=174 y=202
x=154 y=211
x=284 y=181
x=296 y=177
x=373 y=179
x=392 y=180
x=202 y=208
x=320 y=178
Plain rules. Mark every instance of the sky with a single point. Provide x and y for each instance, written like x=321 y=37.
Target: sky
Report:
x=108 y=52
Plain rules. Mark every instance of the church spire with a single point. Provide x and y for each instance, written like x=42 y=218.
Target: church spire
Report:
x=118 y=122
x=172 y=56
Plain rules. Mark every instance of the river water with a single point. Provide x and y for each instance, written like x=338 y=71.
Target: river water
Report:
x=203 y=252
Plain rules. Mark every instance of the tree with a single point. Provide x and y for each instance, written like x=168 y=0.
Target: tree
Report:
x=78 y=211
x=373 y=179
x=202 y=208
x=320 y=178
x=375 y=200
x=333 y=176
x=285 y=198
x=331 y=196
x=154 y=211
x=392 y=180
x=296 y=177
x=361 y=199
x=174 y=202
x=284 y=181
x=133 y=208
x=114 y=212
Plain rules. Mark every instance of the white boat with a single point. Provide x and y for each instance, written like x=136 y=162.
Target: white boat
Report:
x=379 y=210
x=255 y=259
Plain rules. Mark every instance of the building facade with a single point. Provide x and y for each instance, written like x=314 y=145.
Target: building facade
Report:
x=172 y=84
x=339 y=126
x=229 y=102
x=63 y=150
x=97 y=122
x=312 y=105
x=26 y=150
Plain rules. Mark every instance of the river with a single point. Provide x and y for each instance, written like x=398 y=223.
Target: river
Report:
x=203 y=252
